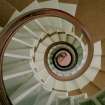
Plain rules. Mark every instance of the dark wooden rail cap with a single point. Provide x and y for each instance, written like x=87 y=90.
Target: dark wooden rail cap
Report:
x=11 y=28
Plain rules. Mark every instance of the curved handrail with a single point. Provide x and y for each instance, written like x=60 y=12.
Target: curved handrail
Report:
x=12 y=27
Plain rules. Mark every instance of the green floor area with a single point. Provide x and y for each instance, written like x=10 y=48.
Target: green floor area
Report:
x=88 y=102
x=101 y=98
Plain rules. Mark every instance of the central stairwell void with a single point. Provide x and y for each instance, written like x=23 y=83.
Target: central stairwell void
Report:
x=47 y=58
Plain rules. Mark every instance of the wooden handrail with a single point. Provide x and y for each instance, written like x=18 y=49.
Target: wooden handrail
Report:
x=12 y=27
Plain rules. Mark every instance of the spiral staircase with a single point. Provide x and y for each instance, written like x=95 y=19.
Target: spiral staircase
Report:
x=47 y=57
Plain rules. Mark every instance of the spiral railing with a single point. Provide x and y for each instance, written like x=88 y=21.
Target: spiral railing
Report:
x=56 y=56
